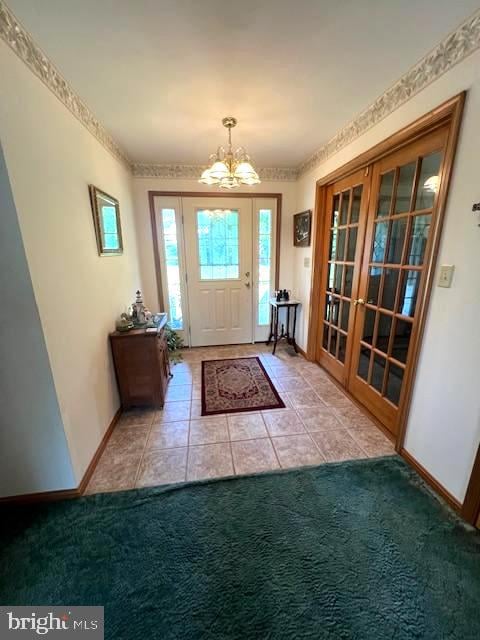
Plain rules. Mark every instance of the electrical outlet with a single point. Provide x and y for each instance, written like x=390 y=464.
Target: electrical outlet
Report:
x=446 y=275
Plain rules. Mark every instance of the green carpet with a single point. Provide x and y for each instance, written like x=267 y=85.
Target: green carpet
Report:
x=358 y=550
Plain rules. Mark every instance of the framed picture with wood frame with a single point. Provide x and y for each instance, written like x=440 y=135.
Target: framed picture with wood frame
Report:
x=302 y=228
x=106 y=219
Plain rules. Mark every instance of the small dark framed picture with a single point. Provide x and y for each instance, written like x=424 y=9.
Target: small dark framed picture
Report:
x=106 y=218
x=302 y=228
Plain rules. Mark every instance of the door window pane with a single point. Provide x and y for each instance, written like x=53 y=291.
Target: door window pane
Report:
x=264 y=265
x=217 y=233
x=383 y=332
x=428 y=181
x=368 y=326
x=379 y=242
x=356 y=201
x=325 y=337
x=389 y=288
x=374 y=284
x=363 y=363
x=342 y=346
x=328 y=308
x=347 y=291
x=338 y=278
x=331 y=276
x=401 y=340
x=342 y=234
x=345 y=315
x=394 y=383
x=352 y=243
x=409 y=292
x=170 y=248
x=397 y=239
x=344 y=207
x=333 y=243
x=335 y=210
x=335 y=305
x=378 y=372
x=385 y=194
x=418 y=239
x=333 y=342
x=403 y=197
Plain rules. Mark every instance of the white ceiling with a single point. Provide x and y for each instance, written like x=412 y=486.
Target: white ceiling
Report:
x=160 y=74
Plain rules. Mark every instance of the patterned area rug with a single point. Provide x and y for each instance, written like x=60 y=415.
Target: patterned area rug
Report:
x=238 y=384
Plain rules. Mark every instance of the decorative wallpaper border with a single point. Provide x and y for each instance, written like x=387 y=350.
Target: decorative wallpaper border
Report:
x=22 y=43
x=192 y=171
x=464 y=41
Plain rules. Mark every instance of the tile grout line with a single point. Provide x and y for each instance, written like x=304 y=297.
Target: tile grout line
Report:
x=137 y=475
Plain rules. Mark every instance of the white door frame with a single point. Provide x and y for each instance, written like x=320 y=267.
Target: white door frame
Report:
x=165 y=199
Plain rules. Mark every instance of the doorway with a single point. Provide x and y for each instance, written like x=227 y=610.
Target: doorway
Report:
x=379 y=223
x=217 y=264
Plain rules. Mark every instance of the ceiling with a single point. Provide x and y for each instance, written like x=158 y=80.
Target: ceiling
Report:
x=160 y=74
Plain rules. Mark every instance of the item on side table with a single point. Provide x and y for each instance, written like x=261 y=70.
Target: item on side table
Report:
x=140 y=315
x=124 y=323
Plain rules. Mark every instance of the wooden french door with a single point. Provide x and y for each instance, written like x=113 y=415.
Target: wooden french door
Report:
x=347 y=202
x=371 y=308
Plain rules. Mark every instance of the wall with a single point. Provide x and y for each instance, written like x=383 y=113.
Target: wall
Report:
x=444 y=424
x=51 y=159
x=34 y=454
x=141 y=187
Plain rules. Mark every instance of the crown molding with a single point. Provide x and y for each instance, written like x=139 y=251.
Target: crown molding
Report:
x=22 y=43
x=193 y=172
x=462 y=42
x=457 y=46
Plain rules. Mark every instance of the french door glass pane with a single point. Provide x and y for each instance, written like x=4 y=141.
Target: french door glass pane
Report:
x=378 y=372
x=401 y=340
x=418 y=239
x=379 y=242
x=345 y=315
x=333 y=342
x=394 y=383
x=397 y=239
x=342 y=347
x=389 y=288
x=409 y=293
x=428 y=181
x=344 y=207
x=325 y=337
x=356 y=201
x=170 y=247
x=335 y=210
x=383 y=332
x=347 y=291
x=374 y=284
x=264 y=248
x=368 y=326
x=385 y=194
x=363 y=363
x=338 y=278
x=217 y=234
x=342 y=234
x=403 y=196
x=352 y=243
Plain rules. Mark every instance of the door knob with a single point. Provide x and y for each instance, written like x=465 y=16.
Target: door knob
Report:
x=358 y=301
x=247 y=284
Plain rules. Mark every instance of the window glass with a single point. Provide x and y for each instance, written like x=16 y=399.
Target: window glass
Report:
x=217 y=233
x=170 y=245
x=264 y=265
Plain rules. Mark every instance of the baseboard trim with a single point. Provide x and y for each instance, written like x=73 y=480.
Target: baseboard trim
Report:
x=302 y=352
x=431 y=481
x=68 y=494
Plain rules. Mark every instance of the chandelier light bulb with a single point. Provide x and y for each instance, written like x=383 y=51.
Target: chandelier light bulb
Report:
x=230 y=169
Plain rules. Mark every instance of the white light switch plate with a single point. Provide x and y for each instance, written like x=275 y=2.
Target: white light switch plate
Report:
x=306 y=262
x=446 y=275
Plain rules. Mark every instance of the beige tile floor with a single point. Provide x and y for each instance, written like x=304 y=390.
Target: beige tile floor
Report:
x=319 y=424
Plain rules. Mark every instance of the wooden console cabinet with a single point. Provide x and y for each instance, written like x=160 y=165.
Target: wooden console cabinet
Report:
x=142 y=366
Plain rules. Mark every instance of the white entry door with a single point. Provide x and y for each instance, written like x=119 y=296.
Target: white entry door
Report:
x=218 y=252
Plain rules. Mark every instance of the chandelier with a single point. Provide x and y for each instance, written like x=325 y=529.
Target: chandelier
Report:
x=230 y=169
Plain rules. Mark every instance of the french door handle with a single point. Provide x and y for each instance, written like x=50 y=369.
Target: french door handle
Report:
x=358 y=301
x=247 y=284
